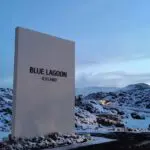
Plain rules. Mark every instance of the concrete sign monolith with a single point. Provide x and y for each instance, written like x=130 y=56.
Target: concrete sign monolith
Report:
x=44 y=84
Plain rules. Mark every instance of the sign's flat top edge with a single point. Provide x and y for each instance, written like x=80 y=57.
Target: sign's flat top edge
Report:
x=46 y=34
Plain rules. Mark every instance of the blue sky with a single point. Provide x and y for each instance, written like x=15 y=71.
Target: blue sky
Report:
x=112 y=37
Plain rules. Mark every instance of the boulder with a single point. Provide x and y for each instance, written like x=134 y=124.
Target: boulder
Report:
x=135 y=115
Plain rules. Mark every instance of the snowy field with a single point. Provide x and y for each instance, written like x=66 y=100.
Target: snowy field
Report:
x=92 y=116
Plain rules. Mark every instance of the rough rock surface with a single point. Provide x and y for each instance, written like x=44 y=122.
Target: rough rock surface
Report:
x=84 y=119
x=5 y=109
x=109 y=120
x=137 y=95
x=48 y=141
x=135 y=115
x=122 y=110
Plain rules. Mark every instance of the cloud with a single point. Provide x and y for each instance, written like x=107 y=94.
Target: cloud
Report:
x=111 y=79
x=113 y=47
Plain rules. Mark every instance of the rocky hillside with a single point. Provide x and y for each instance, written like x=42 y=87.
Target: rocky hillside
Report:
x=137 y=95
x=5 y=109
x=99 y=111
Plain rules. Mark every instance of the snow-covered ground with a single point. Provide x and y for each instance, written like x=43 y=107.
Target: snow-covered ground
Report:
x=3 y=135
x=128 y=109
x=125 y=103
x=131 y=122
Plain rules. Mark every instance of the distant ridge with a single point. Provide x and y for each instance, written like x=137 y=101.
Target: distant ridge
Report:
x=137 y=86
x=88 y=90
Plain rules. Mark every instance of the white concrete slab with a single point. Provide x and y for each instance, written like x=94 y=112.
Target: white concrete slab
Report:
x=44 y=84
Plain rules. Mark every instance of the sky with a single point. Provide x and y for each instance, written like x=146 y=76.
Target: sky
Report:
x=112 y=37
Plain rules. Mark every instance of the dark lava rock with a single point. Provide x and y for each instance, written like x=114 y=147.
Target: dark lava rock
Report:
x=120 y=125
x=149 y=127
x=109 y=120
x=48 y=141
x=121 y=113
x=148 y=106
x=78 y=100
x=135 y=115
